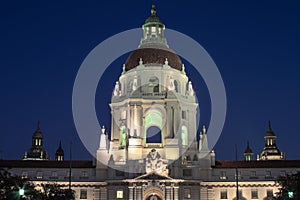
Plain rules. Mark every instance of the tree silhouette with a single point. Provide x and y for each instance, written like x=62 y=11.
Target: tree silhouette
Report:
x=10 y=186
x=290 y=187
x=15 y=187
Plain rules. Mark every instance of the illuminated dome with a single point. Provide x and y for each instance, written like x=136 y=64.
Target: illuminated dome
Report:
x=153 y=49
x=152 y=56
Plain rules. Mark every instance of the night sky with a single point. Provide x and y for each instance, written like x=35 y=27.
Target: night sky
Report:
x=255 y=45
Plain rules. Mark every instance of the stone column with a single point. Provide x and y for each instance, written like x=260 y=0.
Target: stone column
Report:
x=112 y=130
x=134 y=193
x=103 y=193
x=114 y=126
x=135 y=121
x=191 y=114
x=138 y=193
x=131 y=192
x=139 y=120
x=176 y=189
x=176 y=116
x=168 y=192
x=171 y=124
x=128 y=116
x=96 y=194
x=168 y=124
x=131 y=120
x=143 y=136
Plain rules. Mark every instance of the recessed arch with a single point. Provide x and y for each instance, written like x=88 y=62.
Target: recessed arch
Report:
x=152 y=193
x=153 y=84
x=176 y=86
x=153 y=126
x=153 y=135
x=153 y=119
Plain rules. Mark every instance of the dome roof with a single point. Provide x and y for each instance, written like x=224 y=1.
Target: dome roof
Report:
x=153 y=19
x=153 y=56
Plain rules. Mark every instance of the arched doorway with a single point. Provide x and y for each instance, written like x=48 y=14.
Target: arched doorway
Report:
x=153 y=197
x=153 y=193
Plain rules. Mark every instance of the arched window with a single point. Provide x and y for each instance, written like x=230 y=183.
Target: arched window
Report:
x=153 y=119
x=153 y=135
x=184 y=136
x=153 y=84
x=129 y=86
x=176 y=85
x=153 y=125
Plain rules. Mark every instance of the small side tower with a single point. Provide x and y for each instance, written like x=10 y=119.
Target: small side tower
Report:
x=37 y=151
x=248 y=154
x=271 y=152
x=59 y=155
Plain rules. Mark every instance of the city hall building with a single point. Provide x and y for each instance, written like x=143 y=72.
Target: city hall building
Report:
x=152 y=152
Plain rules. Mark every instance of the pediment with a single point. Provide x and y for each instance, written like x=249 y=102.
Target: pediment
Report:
x=153 y=176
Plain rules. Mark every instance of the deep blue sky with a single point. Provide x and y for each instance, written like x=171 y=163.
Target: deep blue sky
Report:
x=255 y=45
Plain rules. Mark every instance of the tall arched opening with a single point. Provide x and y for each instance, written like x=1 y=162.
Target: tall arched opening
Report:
x=153 y=193
x=153 y=126
x=153 y=135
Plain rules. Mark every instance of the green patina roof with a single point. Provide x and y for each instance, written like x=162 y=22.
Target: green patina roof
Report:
x=153 y=19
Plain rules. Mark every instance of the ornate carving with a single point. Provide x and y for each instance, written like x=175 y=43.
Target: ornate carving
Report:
x=154 y=163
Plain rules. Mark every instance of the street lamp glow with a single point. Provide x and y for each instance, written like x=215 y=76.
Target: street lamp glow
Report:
x=290 y=194
x=21 y=191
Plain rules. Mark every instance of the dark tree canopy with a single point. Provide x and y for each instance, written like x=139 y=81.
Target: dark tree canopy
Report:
x=290 y=187
x=10 y=187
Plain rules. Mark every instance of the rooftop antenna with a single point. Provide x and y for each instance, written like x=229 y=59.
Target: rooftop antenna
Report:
x=70 y=170
x=236 y=174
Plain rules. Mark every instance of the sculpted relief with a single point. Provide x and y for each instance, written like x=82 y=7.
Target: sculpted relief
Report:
x=154 y=163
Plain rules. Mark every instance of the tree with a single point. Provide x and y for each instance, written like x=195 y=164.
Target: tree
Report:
x=53 y=191
x=290 y=187
x=16 y=187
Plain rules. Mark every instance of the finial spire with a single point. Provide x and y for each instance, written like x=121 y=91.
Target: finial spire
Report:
x=204 y=129
x=248 y=150
x=38 y=125
x=141 y=61
x=269 y=125
x=153 y=10
x=103 y=129
x=166 y=61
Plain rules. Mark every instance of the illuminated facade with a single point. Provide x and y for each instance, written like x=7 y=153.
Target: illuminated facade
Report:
x=153 y=105
x=152 y=152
